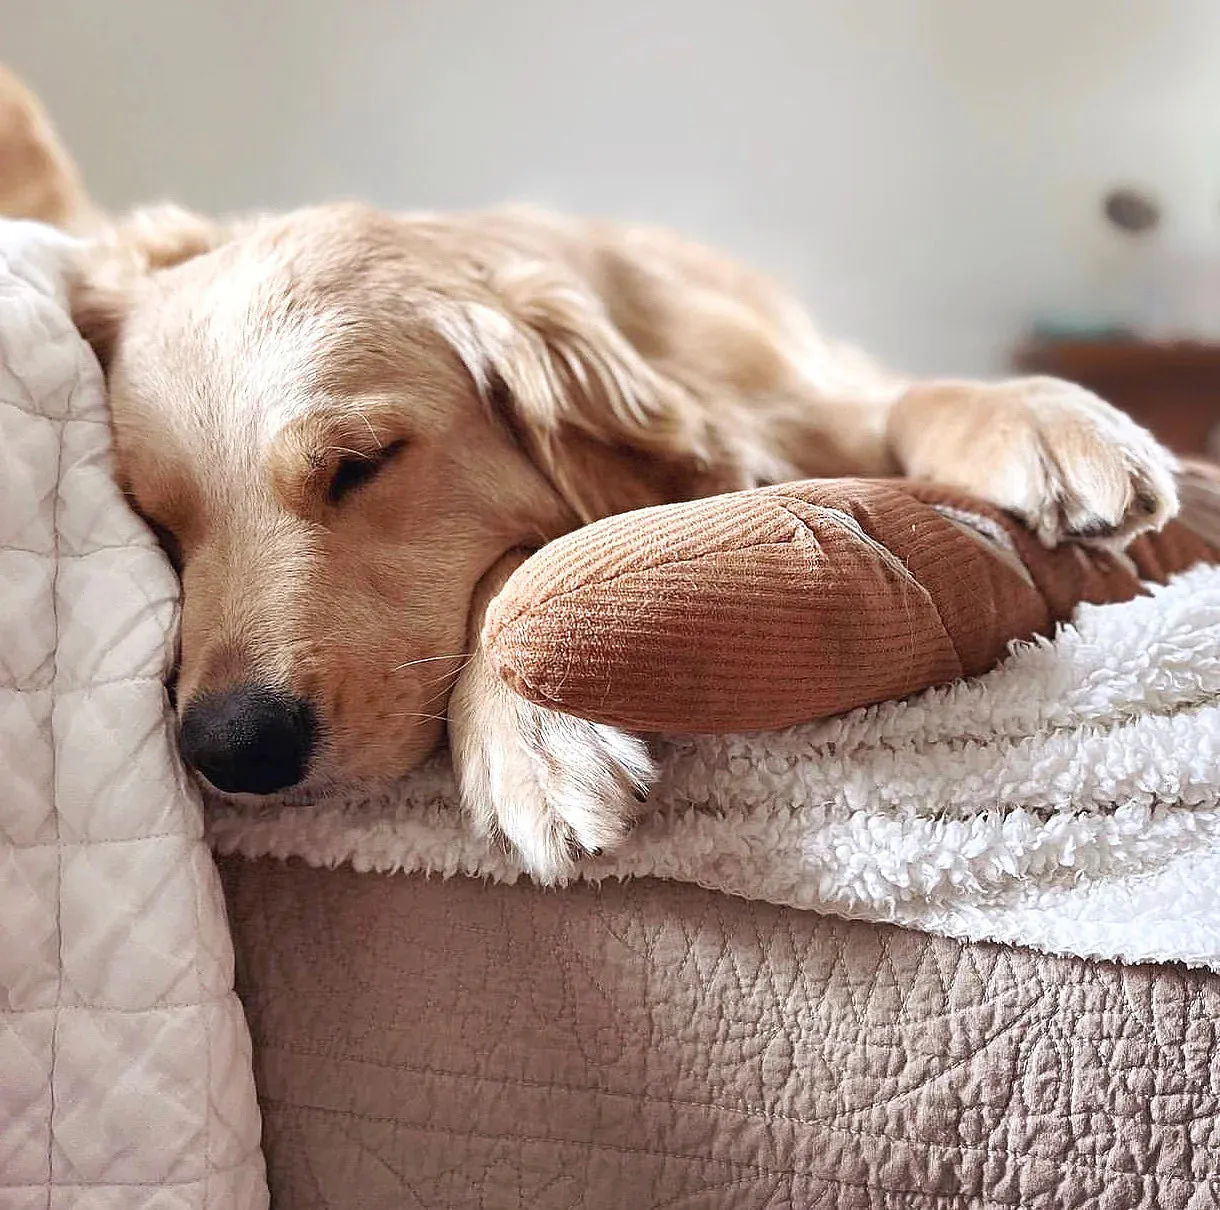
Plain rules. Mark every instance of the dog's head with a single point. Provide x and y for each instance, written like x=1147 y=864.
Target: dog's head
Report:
x=337 y=421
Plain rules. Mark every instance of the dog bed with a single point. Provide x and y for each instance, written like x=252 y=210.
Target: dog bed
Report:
x=1067 y=800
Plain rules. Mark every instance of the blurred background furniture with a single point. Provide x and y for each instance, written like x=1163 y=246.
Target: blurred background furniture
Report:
x=1172 y=388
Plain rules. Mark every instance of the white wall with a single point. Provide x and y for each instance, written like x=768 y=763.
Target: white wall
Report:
x=925 y=172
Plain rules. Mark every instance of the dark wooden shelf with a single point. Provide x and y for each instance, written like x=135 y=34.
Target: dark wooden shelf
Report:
x=1171 y=388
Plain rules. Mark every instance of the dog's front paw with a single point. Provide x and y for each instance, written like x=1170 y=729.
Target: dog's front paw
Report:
x=1066 y=462
x=555 y=788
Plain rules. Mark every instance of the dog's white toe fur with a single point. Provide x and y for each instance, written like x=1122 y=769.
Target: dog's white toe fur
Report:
x=552 y=786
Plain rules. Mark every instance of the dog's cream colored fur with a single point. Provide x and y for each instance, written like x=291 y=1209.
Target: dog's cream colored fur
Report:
x=530 y=373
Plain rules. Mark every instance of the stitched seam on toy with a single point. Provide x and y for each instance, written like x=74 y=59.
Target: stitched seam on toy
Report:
x=848 y=522
x=997 y=543
x=845 y=520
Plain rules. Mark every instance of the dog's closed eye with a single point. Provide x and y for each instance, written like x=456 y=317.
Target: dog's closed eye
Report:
x=355 y=471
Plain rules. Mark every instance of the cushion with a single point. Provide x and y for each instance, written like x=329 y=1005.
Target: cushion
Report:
x=775 y=606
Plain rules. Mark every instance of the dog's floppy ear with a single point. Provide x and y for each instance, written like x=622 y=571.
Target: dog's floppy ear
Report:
x=113 y=265
x=606 y=428
x=38 y=178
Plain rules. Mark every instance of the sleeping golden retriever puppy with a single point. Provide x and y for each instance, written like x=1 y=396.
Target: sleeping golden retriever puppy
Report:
x=346 y=424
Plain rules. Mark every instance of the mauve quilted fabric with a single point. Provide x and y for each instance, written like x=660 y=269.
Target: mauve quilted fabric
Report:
x=125 y=1077
x=421 y=1043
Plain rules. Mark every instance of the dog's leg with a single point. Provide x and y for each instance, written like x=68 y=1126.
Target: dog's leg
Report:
x=554 y=787
x=1066 y=462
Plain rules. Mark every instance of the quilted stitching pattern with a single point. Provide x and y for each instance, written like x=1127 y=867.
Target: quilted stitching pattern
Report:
x=124 y=1054
x=650 y=1044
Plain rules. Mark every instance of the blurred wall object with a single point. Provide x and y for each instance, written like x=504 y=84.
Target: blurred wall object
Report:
x=1177 y=272
x=1163 y=365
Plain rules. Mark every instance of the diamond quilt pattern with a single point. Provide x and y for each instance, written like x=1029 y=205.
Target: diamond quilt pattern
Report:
x=125 y=1075
x=651 y=1044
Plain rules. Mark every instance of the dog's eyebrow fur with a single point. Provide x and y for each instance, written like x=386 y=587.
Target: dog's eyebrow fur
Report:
x=307 y=452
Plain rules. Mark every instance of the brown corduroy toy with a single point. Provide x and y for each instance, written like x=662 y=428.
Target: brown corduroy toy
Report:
x=776 y=606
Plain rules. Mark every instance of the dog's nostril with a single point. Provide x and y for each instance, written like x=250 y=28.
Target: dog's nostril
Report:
x=249 y=740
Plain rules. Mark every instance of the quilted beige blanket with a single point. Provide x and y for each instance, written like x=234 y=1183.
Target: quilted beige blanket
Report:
x=125 y=1077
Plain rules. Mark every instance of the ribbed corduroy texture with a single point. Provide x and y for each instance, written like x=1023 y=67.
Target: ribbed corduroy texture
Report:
x=766 y=608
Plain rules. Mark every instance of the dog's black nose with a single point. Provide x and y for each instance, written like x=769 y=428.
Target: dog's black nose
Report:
x=249 y=740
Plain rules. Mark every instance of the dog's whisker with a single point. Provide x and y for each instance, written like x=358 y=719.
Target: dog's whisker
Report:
x=433 y=659
x=436 y=718
x=451 y=675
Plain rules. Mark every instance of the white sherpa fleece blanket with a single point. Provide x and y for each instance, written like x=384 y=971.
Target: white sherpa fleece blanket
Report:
x=125 y=1074
x=1068 y=801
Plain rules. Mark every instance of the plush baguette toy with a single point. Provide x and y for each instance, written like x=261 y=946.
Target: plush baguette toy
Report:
x=784 y=604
